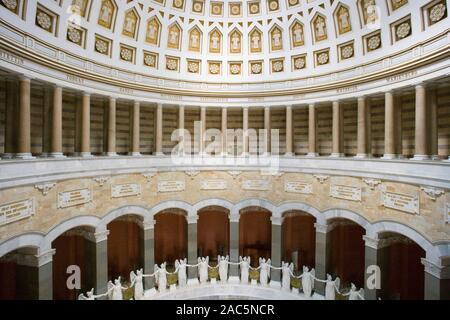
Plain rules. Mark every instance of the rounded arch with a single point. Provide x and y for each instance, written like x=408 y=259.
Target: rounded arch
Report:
x=254 y=203
x=172 y=204
x=90 y=221
x=123 y=211
x=433 y=252
x=32 y=239
x=299 y=206
x=349 y=215
x=212 y=202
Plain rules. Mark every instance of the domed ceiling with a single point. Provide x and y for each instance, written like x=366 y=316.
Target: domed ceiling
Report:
x=231 y=40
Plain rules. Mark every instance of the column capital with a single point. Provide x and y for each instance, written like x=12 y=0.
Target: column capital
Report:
x=277 y=221
x=192 y=219
x=441 y=271
x=322 y=228
x=101 y=236
x=113 y=98
x=23 y=77
x=362 y=98
x=149 y=225
x=45 y=257
x=234 y=217
x=370 y=242
x=85 y=93
x=312 y=105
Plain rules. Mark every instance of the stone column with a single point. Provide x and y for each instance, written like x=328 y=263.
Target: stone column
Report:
x=97 y=262
x=37 y=280
x=149 y=252
x=389 y=127
x=234 y=244
x=289 y=132
x=322 y=255
x=181 y=128
x=421 y=135
x=56 y=142
x=312 y=131
x=47 y=120
x=437 y=279
x=363 y=150
x=372 y=257
x=224 y=131
x=159 y=129
x=245 y=137
x=398 y=126
x=203 y=130
x=85 y=150
x=337 y=130
x=24 y=133
x=276 y=247
x=136 y=130
x=192 y=245
x=434 y=141
x=11 y=120
x=267 y=127
x=111 y=140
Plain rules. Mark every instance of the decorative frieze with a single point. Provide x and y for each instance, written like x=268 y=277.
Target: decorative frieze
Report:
x=321 y=178
x=400 y=202
x=372 y=183
x=14 y=211
x=149 y=175
x=234 y=174
x=125 y=190
x=45 y=187
x=101 y=180
x=256 y=185
x=345 y=192
x=171 y=186
x=215 y=184
x=74 y=198
x=432 y=192
x=298 y=187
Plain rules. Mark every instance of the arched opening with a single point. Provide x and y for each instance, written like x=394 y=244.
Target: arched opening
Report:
x=299 y=239
x=19 y=275
x=255 y=234
x=402 y=272
x=125 y=246
x=213 y=229
x=347 y=251
x=170 y=236
x=73 y=248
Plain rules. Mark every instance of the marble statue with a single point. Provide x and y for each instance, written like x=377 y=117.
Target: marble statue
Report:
x=136 y=280
x=331 y=287
x=223 y=268
x=203 y=269
x=308 y=281
x=355 y=295
x=264 y=272
x=90 y=295
x=161 y=277
x=182 y=275
x=115 y=290
x=286 y=270
x=245 y=267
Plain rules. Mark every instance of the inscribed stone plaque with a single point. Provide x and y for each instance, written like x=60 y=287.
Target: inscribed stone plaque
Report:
x=125 y=190
x=401 y=202
x=74 y=198
x=298 y=187
x=171 y=186
x=345 y=192
x=256 y=185
x=15 y=211
x=214 y=185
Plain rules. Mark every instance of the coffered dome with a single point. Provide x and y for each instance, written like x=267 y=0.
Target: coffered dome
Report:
x=229 y=41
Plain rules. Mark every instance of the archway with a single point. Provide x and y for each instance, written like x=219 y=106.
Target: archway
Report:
x=213 y=231
x=347 y=251
x=125 y=246
x=170 y=236
x=299 y=239
x=402 y=273
x=73 y=248
x=255 y=233
x=19 y=277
